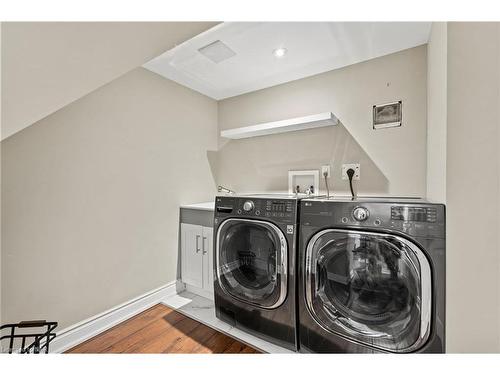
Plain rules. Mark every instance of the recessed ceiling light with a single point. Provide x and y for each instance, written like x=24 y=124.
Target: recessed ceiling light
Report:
x=280 y=52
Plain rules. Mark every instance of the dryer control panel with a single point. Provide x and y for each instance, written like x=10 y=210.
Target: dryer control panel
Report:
x=423 y=220
x=282 y=210
x=413 y=213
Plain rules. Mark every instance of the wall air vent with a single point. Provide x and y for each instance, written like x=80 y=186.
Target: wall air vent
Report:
x=217 y=51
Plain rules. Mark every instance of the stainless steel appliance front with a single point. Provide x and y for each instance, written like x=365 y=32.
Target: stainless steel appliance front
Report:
x=373 y=288
x=255 y=265
x=251 y=261
x=371 y=276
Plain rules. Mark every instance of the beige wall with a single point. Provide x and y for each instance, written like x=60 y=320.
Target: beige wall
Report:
x=47 y=65
x=436 y=112
x=91 y=193
x=392 y=161
x=472 y=188
x=1 y=25
x=91 y=197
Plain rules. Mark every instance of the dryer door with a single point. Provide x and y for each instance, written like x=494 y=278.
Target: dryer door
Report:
x=371 y=288
x=252 y=262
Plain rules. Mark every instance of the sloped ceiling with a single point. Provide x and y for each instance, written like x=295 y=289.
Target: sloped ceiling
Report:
x=248 y=64
x=47 y=65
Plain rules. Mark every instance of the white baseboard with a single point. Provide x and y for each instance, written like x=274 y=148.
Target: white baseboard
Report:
x=84 y=330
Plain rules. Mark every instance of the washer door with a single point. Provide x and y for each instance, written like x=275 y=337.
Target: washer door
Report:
x=371 y=288
x=252 y=262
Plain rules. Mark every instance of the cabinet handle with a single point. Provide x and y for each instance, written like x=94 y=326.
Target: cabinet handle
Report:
x=203 y=245
x=197 y=243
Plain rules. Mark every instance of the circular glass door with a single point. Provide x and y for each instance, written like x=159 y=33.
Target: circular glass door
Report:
x=369 y=287
x=252 y=261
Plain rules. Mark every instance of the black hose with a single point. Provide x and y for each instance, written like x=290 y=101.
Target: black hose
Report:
x=350 y=174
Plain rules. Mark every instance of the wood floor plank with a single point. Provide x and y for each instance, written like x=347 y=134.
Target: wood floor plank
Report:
x=248 y=350
x=217 y=344
x=156 y=330
x=193 y=342
x=106 y=339
x=161 y=330
x=236 y=347
x=165 y=343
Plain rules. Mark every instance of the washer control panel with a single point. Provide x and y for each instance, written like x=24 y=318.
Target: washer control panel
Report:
x=283 y=210
x=424 y=219
x=412 y=213
x=248 y=206
x=279 y=208
x=360 y=213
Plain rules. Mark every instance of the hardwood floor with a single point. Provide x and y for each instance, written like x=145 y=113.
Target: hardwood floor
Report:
x=161 y=330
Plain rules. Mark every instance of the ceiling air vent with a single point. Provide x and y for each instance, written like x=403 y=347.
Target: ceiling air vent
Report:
x=217 y=51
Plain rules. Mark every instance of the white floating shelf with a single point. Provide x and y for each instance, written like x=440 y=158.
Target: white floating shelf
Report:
x=282 y=126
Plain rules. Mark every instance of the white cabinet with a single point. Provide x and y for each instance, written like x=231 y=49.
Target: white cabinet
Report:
x=197 y=258
x=208 y=260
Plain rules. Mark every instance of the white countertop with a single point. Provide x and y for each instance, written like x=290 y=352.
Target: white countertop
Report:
x=204 y=206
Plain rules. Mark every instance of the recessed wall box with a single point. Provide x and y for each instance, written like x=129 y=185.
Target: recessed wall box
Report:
x=301 y=182
x=388 y=115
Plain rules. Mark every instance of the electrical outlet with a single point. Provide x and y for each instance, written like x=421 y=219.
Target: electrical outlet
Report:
x=325 y=169
x=357 y=171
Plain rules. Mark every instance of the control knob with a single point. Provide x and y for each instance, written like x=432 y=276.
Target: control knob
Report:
x=360 y=213
x=248 y=206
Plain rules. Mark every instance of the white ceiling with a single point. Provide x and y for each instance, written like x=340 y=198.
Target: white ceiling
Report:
x=312 y=48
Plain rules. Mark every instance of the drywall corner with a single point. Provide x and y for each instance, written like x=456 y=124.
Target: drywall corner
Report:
x=0 y=173
x=472 y=188
x=437 y=112
x=498 y=180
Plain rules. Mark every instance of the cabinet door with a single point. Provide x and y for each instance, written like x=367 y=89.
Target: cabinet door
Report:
x=192 y=256
x=208 y=259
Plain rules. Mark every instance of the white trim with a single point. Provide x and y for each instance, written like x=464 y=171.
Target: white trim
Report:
x=84 y=330
x=300 y=123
